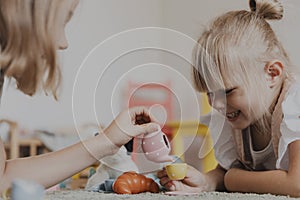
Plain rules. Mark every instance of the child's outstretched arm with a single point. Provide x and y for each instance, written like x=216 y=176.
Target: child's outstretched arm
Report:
x=195 y=181
x=275 y=181
x=49 y=169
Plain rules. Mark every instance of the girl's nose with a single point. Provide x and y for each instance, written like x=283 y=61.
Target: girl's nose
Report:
x=63 y=42
x=218 y=102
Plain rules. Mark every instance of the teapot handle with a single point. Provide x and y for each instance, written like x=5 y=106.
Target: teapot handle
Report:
x=166 y=140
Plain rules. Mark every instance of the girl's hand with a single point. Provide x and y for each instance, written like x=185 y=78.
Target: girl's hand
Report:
x=194 y=181
x=130 y=123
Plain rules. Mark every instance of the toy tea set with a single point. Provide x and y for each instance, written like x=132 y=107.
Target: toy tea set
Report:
x=156 y=148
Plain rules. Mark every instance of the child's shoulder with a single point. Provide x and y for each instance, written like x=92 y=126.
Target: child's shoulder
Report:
x=291 y=91
x=294 y=87
x=291 y=107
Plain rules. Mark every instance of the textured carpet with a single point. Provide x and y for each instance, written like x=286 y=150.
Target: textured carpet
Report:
x=85 y=195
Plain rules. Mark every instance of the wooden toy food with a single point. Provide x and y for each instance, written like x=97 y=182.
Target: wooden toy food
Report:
x=134 y=183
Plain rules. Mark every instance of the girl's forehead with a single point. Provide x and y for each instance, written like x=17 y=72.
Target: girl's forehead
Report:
x=221 y=82
x=230 y=82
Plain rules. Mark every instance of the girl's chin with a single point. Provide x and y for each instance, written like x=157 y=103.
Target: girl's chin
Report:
x=238 y=127
x=239 y=124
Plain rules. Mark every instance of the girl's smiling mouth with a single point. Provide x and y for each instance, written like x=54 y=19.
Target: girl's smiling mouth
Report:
x=233 y=115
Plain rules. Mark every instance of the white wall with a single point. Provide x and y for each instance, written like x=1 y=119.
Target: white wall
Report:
x=94 y=21
x=97 y=20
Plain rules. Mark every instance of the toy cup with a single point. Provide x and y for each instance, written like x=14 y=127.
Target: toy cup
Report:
x=176 y=171
x=156 y=147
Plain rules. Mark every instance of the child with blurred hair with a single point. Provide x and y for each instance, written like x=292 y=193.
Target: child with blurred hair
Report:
x=31 y=31
x=251 y=83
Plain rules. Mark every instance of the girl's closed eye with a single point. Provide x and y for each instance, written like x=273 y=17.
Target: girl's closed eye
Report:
x=229 y=91
x=209 y=94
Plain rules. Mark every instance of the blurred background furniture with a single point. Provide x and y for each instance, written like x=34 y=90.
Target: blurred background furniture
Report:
x=149 y=94
x=17 y=146
x=23 y=143
x=187 y=138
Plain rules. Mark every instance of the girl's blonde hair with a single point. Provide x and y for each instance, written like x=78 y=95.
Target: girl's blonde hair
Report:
x=28 y=43
x=236 y=47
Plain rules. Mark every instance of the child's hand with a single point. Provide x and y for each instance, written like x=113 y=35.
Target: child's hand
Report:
x=194 y=181
x=130 y=123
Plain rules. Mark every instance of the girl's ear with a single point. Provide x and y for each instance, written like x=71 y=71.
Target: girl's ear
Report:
x=273 y=72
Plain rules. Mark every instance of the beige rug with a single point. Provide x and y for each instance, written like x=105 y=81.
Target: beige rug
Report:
x=85 y=195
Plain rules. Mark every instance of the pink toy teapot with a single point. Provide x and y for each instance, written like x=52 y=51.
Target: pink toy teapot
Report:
x=156 y=146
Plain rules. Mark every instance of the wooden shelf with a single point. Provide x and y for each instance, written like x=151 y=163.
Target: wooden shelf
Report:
x=15 y=144
x=33 y=146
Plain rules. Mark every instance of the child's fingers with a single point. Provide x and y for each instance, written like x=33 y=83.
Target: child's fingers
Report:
x=191 y=171
x=151 y=127
x=164 y=181
x=161 y=173
x=170 y=186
